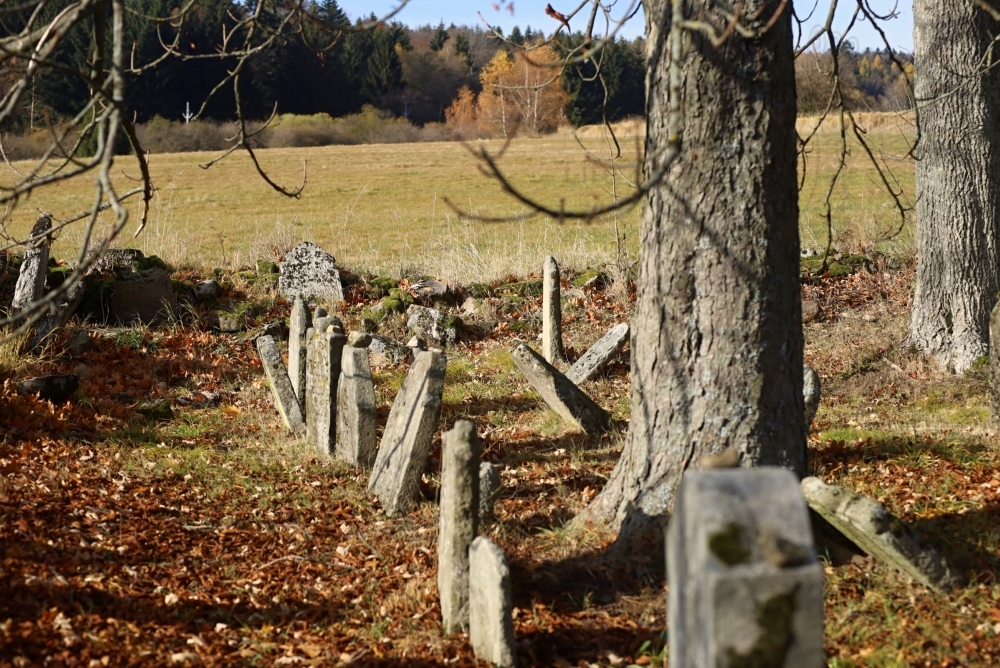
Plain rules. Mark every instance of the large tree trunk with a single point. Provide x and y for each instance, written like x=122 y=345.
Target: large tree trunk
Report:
x=717 y=336
x=957 y=182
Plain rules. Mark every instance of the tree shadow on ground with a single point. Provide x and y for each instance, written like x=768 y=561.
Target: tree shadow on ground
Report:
x=969 y=541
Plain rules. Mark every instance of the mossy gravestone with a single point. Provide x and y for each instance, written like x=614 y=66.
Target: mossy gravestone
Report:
x=744 y=586
x=458 y=522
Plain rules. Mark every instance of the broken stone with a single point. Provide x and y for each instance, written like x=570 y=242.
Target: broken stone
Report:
x=810 y=311
x=323 y=353
x=745 y=586
x=359 y=339
x=491 y=624
x=281 y=387
x=592 y=361
x=276 y=329
x=81 y=343
x=30 y=285
x=222 y=321
x=308 y=271
x=406 y=442
x=559 y=392
x=416 y=343
x=56 y=389
x=433 y=325
x=357 y=442
x=472 y=307
x=552 y=347
x=156 y=410
x=459 y=522
x=386 y=351
x=811 y=390
x=430 y=291
x=117 y=261
x=489 y=490
x=298 y=324
x=147 y=297
x=206 y=291
x=870 y=526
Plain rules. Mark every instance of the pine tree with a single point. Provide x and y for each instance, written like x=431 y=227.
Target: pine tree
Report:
x=439 y=38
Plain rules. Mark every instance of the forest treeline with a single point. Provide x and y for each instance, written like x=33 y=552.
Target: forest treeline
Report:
x=468 y=79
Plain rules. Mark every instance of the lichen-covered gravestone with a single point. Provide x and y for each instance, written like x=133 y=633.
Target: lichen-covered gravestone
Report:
x=30 y=285
x=744 y=585
x=552 y=346
x=599 y=354
x=323 y=355
x=281 y=388
x=459 y=521
x=406 y=442
x=309 y=271
x=357 y=442
x=298 y=324
x=491 y=624
x=147 y=297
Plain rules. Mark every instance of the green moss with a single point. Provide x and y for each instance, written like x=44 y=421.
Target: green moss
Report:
x=393 y=305
x=266 y=267
x=380 y=286
x=727 y=545
x=839 y=270
x=154 y=261
x=57 y=276
x=529 y=288
x=96 y=300
x=586 y=276
x=248 y=276
x=479 y=290
x=452 y=322
x=775 y=619
x=519 y=326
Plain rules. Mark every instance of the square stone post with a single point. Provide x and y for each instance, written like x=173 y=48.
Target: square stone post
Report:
x=298 y=324
x=323 y=355
x=357 y=442
x=552 y=347
x=491 y=624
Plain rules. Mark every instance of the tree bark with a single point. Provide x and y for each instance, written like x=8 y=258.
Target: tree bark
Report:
x=717 y=336
x=957 y=180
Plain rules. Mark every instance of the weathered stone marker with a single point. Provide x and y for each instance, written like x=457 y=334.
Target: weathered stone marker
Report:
x=281 y=387
x=406 y=442
x=459 y=522
x=995 y=365
x=357 y=442
x=309 y=271
x=489 y=490
x=30 y=285
x=552 y=347
x=559 y=392
x=599 y=354
x=744 y=584
x=298 y=324
x=491 y=626
x=870 y=526
x=323 y=356
x=811 y=390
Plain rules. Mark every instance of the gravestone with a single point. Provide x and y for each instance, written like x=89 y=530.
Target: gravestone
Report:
x=323 y=355
x=811 y=390
x=298 y=324
x=599 y=354
x=30 y=285
x=308 y=271
x=357 y=442
x=559 y=392
x=870 y=526
x=491 y=625
x=406 y=442
x=433 y=325
x=458 y=522
x=281 y=387
x=147 y=297
x=744 y=585
x=489 y=490
x=552 y=347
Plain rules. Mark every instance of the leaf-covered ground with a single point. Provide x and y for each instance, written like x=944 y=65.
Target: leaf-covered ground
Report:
x=213 y=539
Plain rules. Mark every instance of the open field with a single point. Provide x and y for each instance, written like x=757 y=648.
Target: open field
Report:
x=381 y=209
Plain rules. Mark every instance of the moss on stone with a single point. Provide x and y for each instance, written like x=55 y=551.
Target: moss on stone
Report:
x=96 y=299
x=380 y=286
x=266 y=267
x=529 y=288
x=248 y=276
x=479 y=290
x=775 y=618
x=392 y=305
x=727 y=545
x=57 y=276
x=586 y=277
x=518 y=326
x=154 y=261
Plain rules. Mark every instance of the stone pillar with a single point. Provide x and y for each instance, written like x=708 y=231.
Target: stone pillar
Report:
x=298 y=324
x=491 y=626
x=406 y=442
x=357 y=442
x=489 y=490
x=552 y=348
x=744 y=584
x=323 y=355
x=995 y=365
x=281 y=387
x=811 y=391
x=459 y=522
x=30 y=285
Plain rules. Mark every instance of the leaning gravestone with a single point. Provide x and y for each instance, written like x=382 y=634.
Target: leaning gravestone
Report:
x=459 y=522
x=30 y=285
x=147 y=297
x=309 y=271
x=552 y=346
x=599 y=354
x=357 y=442
x=406 y=442
x=744 y=585
x=870 y=526
x=491 y=624
x=559 y=392
x=323 y=355
x=281 y=387
x=298 y=324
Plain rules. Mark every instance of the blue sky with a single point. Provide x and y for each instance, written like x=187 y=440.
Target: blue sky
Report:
x=531 y=13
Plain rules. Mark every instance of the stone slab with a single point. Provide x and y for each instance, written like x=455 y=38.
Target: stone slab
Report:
x=147 y=297
x=357 y=442
x=30 y=285
x=744 y=584
x=489 y=490
x=56 y=389
x=432 y=325
x=281 y=387
x=491 y=626
x=552 y=345
x=298 y=324
x=870 y=526
x=386 y=351
x=406 y=441
x=559 y=392
x=308 y=271
x=811 y=391
x=458 y=522
x=323 y=356
x=599 y=354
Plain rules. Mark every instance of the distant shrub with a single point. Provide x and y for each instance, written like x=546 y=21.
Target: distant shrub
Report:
x=165 y=136
x=375 y=126
x=290 y=130
x=31 y=146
